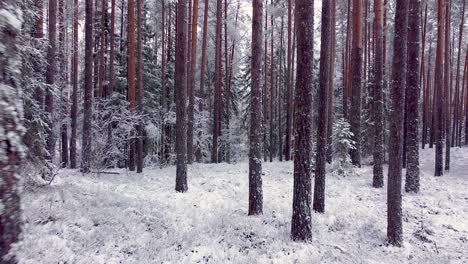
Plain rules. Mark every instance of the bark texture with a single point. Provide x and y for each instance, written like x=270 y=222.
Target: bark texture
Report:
x=397 y=94
x=412 y=98
x=255 y=159
x=321 y=156
x=88 y=89
x=301 y=226
x=181 y=97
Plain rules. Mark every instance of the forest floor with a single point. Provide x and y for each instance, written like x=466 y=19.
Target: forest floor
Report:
x=131 y=218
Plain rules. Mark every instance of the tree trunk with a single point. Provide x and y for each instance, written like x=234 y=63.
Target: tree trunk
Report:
x=331 y=83
x=378 y=152
x=112 y=50
x=272 y=87
x=412 y=98
x=139 y=92
x=88 y=89
x=447 y=84
x=11 y=123
x=356 y=61
x=397 y=93
x=102 y=50
x=50 y=79
x=164 y=148
x=439 y=88
x=324 y=79
x=74 y=96
x=301 y=226
x=346 y=66
x=39 y=33
x=457 y=114
x=217 y=96
x=131 y=76
x=181 y=96
x=191 y=85
x=280 y=94
x=255 y=162
x=422 y=82
x=289 y=109
x=63 y=84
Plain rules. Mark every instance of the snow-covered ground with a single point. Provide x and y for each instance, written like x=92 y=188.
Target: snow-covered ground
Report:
x=131 y=218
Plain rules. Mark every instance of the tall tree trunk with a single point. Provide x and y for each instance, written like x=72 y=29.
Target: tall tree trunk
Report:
x=324 y=79
x=50 y=79
x=422 y=82
x=346 y=66
x=101 y=74
x=447 y=84
x=280 y=93
x=88 y=89
x=412 y=97
x=331 y=83
x=226 y=84
x=217 y=96
x=181 y=96
x=11 y=123
x=356 y=61
x=255 y=162
x=427 y=99
x=202 y=76
x=112 y=50
x=131 y=76
x=193 y=63
x=289 y=108
x=39 y=33
x=63 y=84
x=265 y=89
x=74 y=96
x=397 y=94
x=164 y=147
x=301 y=226
x=272 y=87
x=378 y=152
x=439 y=88
x=139 y=92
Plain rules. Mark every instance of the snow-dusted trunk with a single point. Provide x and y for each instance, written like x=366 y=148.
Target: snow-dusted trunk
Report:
x=102 y=50
x=356 y=68
x=74 y=95
x=181 y=96
x=272 y=87
x=217 y=94
x=301 y=226
x=131 y=75
x=422 y=80
x=139 y=92
x=447 y=83
x=439 y=91
x=397 y=94
x=201 y=91
x=457 y=115
x=255 y=158
x=11 y=130
x=63 y=84
x=321 y=156
x=88 y=89
x=289 y=110
x=193 y=63
x=112 y=49
x=378 y=151
x=331 y=85
x=50 y=79
x=412 y=98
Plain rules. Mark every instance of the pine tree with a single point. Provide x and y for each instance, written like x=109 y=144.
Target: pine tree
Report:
x=439 y=90
x=88 y=89
x=180 y=93
x=218 y=83
x=255 y=162
x=191 y=84
x=412 y=97
x=320 y=163
x=139 y=91
x=378 y=153
x=50 y=78
x=356 y=67
x=131 y=76
x=301 y=226
x=74 y=95
x=11 y=132
x=397 y=93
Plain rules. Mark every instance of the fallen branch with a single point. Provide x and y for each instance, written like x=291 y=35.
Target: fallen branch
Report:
x=106 y=172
